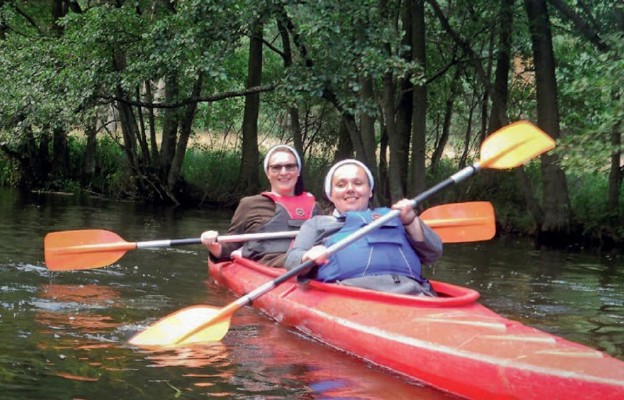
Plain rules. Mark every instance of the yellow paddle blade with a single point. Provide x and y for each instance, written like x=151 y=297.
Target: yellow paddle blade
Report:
x=179 y=328
x=513 y=145
x=83 y=249
x=462 y=222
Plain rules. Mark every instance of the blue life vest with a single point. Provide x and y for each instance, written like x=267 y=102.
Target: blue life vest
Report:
x=385 y=250
x=290 y=213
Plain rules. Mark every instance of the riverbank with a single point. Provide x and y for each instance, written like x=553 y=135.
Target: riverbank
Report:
x=210 y=174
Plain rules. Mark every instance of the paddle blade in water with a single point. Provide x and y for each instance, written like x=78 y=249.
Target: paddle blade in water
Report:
x=186 y=326
x=83 y=249
x=513 y=145
x=462 y=222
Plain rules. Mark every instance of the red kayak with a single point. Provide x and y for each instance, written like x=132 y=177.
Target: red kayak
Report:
x=452 y=342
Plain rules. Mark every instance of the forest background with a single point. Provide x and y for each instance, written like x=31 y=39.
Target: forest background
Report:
x=176 y=102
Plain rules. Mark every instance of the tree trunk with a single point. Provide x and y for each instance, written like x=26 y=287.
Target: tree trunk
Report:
x=405 y=106
x=3 y=25
x=417 y=182
x=396 y=107
x=58 y=12
x=60 y=158
x=397 y=152
x=367 y=120
x=615 y=174
x=248 y=175
x=33 y=161
x=89 y=166
x=153 y=140
x=590 y=31
x=186 y=128
x=355 y=135
x=383 y=162
x=503 y=62
x=499 y=107
x=171 y=124
x=126 y=117
x=556 y=202
x=142 y=132
x=60 y=155
x=446 y=124
x=367 y=136
x=345 y=147
x=293 y=112
x=463 y=159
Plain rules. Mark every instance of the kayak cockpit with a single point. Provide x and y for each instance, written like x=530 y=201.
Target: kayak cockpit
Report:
x=448 y=294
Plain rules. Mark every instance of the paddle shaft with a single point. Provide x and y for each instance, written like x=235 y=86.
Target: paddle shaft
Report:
x=125 y=246
x=221 y=239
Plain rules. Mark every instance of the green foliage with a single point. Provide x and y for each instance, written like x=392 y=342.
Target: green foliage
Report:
x=222 y=116
x=9 y=173
x=592 y=103
x=363 y=40
x=212 y=173
x=590 y=207
x=111 y=178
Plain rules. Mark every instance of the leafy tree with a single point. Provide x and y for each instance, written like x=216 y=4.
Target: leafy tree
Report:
x=397 y=84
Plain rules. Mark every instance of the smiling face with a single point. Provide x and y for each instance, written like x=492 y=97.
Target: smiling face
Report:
x=282 y=172
x=350 y=189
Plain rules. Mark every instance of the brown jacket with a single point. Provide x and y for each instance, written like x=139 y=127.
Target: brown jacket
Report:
x=252 y=213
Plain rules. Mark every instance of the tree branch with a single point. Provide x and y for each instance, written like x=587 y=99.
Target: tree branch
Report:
x=586 y=30
x=203 y=99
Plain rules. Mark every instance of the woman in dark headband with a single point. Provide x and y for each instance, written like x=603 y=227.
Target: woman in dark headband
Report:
x=285 y=206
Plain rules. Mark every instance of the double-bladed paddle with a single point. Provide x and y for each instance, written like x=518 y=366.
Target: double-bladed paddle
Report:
x=509 y=147
x=95 y=248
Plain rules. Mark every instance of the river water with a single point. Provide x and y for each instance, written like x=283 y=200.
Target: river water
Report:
x=63 y=335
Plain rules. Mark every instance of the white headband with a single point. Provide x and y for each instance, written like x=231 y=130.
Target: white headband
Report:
x=330 y=174
x=281 y=147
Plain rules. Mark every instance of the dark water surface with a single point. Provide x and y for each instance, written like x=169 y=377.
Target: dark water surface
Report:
x=63 y=335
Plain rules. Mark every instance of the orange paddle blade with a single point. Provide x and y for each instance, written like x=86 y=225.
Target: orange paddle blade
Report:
x=83 y=249
x=462 y=222
x=186 y=326
x=513 y=145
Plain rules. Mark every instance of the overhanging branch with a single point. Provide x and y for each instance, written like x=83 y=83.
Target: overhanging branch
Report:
x=192 y=100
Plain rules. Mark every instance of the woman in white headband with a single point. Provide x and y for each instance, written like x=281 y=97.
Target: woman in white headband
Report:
x=387 y=259
x=285 y=206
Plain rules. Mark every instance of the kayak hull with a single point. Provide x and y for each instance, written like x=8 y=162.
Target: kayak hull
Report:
x=451 y=342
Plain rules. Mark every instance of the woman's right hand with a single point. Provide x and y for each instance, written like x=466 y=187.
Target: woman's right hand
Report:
x=317 y=253
x=209 y=239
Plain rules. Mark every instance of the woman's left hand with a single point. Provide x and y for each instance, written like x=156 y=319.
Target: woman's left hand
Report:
x=408 y=214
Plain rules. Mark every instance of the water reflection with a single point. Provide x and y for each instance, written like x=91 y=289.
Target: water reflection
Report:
x=273 y=357
x=574 y=295
x=72 y=308
x=63 y=335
